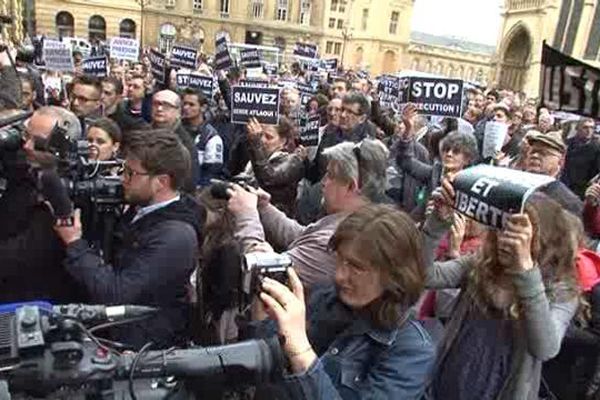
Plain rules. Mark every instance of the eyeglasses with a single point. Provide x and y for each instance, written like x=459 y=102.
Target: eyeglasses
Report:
x=163 y=104
x=129 y=173
x=351 y=111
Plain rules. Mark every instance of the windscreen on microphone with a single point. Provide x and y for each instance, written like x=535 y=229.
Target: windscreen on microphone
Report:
x=55 y=192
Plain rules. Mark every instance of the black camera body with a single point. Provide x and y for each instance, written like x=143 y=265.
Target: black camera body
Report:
x=257 y=266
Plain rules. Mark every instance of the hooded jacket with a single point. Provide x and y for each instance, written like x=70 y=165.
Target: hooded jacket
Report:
x=154 y=258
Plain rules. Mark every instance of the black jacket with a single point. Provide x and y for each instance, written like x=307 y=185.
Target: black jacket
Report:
x=31 y=253
x=154 y=259
x=582 y=163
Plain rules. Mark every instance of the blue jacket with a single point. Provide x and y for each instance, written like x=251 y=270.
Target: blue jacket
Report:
x=362 y=362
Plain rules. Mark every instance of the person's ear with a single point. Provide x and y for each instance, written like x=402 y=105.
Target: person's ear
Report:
x=115 y=148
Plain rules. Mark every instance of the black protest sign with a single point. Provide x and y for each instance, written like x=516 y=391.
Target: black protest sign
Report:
x=306 y=50
x=222 y=56
x=183 y=57
x=95 y=66
x=309 y=130
x=158 y=65
x=254 y=102
x=435 y=96
x=270 y=69
x=250 y=58
x=254 y=83
x=306 y=92
x=490 y=194
x=204 y=84
x=330 y=65
x=569 y=85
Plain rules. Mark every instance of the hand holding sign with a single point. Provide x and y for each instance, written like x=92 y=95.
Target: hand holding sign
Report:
x=443 y=199
x=408 y=116
x=514 y=243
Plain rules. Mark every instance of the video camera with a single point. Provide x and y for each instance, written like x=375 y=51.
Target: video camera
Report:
x=259 y=265
x=50 y=352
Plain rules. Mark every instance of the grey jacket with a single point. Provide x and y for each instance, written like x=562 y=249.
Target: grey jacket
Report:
x=542 y=324
x=306 y=245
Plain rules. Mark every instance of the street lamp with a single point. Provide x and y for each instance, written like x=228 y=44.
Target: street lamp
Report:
x=346 y=35
x=143 y=4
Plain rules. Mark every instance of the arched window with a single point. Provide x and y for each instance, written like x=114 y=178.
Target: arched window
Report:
x=64 y=24
x=97 y=28
x=127 y=28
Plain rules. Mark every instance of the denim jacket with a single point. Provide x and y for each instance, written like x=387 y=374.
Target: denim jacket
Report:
x=363 y=362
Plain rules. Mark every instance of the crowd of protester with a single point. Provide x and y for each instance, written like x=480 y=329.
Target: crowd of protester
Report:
x=392 y=293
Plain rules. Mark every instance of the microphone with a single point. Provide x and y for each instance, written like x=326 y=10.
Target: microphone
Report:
x=55 y=192
x=100 y=313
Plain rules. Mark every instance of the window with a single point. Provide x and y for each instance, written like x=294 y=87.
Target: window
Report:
x=365 y=19
x=334 y=5
x=257 y=8
x=166 y=38
x=127 y=29
x=305 y=9
x=224 y=7
x=332 y=22
x=342 y=7
x=169 y=3
x=282 y=10
x=394 y=22
x=340 y=24
x=97 y=28
x=64 y=24
x=337 y=49
x=328 y=47
x=197 y=4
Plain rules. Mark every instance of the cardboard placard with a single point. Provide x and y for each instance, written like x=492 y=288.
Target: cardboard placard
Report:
x=95 y=66
x=58 y=56
x=184 y=57
x=330 y=65
x=124 y=49
x=254 y=102
x=250 y=58
x=254 y=83
x=493 y=138
x=309 y=130
x=158 y=65
x=306 y=50
x=435 y=96
x=201 y=83
x=222 y=56
x=490 y=194
x=306 y=92
x=270 y=69
x=389 y=91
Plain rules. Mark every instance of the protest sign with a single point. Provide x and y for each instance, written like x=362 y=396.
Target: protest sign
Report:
x=58 y=55
x=270 y=69
x=250 y=58
x=183 y=57
x=306 y=50
x=203 y=84
x=254 y=83
x=330 y=65
x=287 y=84
x=309 y=130
x=158 y=66
x=254 y=102
x=306 y=92
x=435 y=96
x=95 y=66
x=569 y=84
x=490 y=194
x=388 y=90
x=222 y=56
x=124 y=49
x=493 y=138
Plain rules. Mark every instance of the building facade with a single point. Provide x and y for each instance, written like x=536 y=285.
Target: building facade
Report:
x=571 y=26
x=15 y=9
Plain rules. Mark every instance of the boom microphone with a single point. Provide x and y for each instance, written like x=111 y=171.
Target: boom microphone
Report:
x=55 y=192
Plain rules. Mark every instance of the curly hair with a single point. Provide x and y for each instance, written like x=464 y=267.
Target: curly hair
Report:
x=556 y=236
x=388 y=240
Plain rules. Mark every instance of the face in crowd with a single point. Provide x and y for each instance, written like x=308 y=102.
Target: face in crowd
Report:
x=27 y=94
x=191 y=108
x=139 y=185
x=105 y=148
x=351 y=116
x=37 y=133
x=334 y=112
x=165 y=109
x=109 y=97
x=543 y=159
x=338 y=89
x=586 y=129
x=136 y=89
x=85 y=100
x=271 y=139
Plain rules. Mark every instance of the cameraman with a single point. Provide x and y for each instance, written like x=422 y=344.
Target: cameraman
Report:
x=157 y=250
x=30 y=252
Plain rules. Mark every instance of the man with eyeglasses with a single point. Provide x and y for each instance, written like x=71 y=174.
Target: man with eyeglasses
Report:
x=155 y=244
x=582 y=162
x=85 y=99
x=166 y=112
x=31 y=254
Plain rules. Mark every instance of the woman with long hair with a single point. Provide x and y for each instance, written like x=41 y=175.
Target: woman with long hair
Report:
x=358 y=339
x=519 y=294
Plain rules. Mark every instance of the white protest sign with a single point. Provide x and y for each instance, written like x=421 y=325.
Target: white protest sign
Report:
x=58 y=55
x=493 y=139
x=124 y=49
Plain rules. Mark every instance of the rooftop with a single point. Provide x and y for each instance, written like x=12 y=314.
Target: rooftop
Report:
x=451 y=42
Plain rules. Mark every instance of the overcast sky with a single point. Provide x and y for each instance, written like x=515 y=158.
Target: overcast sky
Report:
x=449 y=18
